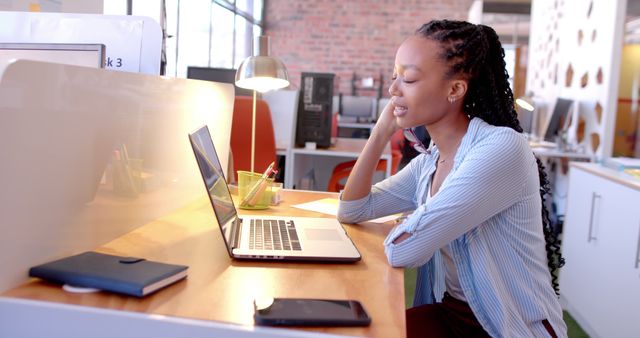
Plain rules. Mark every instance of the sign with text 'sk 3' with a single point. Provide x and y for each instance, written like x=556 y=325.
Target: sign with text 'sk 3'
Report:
x=133 y=43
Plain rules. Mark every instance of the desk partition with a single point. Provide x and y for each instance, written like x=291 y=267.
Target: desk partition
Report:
x=17 y=317
x=99 y=160
x=90 y=154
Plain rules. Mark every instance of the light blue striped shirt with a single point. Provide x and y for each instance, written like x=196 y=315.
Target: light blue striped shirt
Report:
x=488 y=208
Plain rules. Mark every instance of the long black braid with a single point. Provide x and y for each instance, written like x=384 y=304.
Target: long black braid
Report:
x=475 y=52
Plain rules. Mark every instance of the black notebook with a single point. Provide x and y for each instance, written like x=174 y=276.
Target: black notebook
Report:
x=128 y=275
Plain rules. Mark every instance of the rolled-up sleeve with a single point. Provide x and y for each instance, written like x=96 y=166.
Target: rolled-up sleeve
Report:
x=392 y=195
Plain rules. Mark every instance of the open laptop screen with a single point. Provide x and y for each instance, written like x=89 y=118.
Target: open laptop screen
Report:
x=213 y=176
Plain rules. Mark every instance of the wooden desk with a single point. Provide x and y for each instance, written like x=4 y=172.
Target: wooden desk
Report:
x=221 y=289
x=557 y=153
x=324 y=160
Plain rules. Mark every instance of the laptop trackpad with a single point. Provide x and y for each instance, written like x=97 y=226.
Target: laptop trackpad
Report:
x=322 y=234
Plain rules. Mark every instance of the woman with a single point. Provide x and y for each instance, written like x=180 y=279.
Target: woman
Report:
x=479 y=232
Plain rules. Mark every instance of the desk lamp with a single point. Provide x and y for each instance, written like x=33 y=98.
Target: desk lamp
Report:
x=260 y=73
x=527 y=114
x=524 y=103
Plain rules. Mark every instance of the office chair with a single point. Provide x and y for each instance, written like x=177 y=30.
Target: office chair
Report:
x=265 y=151
x=342 y=170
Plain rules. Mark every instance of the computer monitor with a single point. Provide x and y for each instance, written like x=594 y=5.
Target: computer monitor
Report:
x=224 y=75
x=77 y=54
x=360 y=108
x=382 y=103
x=558 y=119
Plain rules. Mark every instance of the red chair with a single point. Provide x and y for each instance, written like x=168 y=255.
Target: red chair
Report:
x=341 y=171
x=265 y=151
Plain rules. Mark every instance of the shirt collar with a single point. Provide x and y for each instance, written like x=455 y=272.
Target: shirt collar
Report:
x=467 y=141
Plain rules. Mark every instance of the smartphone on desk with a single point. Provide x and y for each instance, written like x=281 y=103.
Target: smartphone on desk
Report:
x=310 y=312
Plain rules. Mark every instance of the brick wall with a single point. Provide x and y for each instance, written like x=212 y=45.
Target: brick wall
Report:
x=347 y=36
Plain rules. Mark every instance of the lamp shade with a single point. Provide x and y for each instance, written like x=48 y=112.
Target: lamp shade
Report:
x=524 y=103
x=527 y=111
x=262 y=72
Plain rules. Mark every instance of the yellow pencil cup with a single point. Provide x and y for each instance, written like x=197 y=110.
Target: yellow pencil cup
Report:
x=127 y=177
x=254 y=193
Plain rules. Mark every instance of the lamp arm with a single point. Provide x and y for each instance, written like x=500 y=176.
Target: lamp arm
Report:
x=253 y=132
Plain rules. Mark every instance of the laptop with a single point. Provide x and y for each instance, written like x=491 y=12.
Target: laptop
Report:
x=267 y=237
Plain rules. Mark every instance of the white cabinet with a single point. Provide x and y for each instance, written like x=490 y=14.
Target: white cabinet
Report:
x=600 y=283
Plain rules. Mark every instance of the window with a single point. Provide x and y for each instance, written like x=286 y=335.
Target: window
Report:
x=210 y=33
x=222 y=32
x=202 y=33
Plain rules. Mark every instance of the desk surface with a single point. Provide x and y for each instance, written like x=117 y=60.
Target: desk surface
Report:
x=353 y=124
x=549 y=152
x=222 y=289
x=344 y=147
x=610 y=174
x=549 y=149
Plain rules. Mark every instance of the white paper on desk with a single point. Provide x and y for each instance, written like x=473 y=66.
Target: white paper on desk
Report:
x=329 y=206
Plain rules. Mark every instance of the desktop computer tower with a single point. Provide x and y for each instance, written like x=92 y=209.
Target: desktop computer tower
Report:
x=315 y=109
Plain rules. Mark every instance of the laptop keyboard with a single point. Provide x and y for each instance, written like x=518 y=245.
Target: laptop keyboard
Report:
x=271 y=234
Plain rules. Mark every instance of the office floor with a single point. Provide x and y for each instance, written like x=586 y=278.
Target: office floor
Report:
x=574 y=330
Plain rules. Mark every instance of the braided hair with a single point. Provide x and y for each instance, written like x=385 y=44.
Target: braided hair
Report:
x=475 y=53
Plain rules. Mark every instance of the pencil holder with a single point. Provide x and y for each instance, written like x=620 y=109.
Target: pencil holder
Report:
x=253 y=190
x=276 y=196
x=127 y=177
